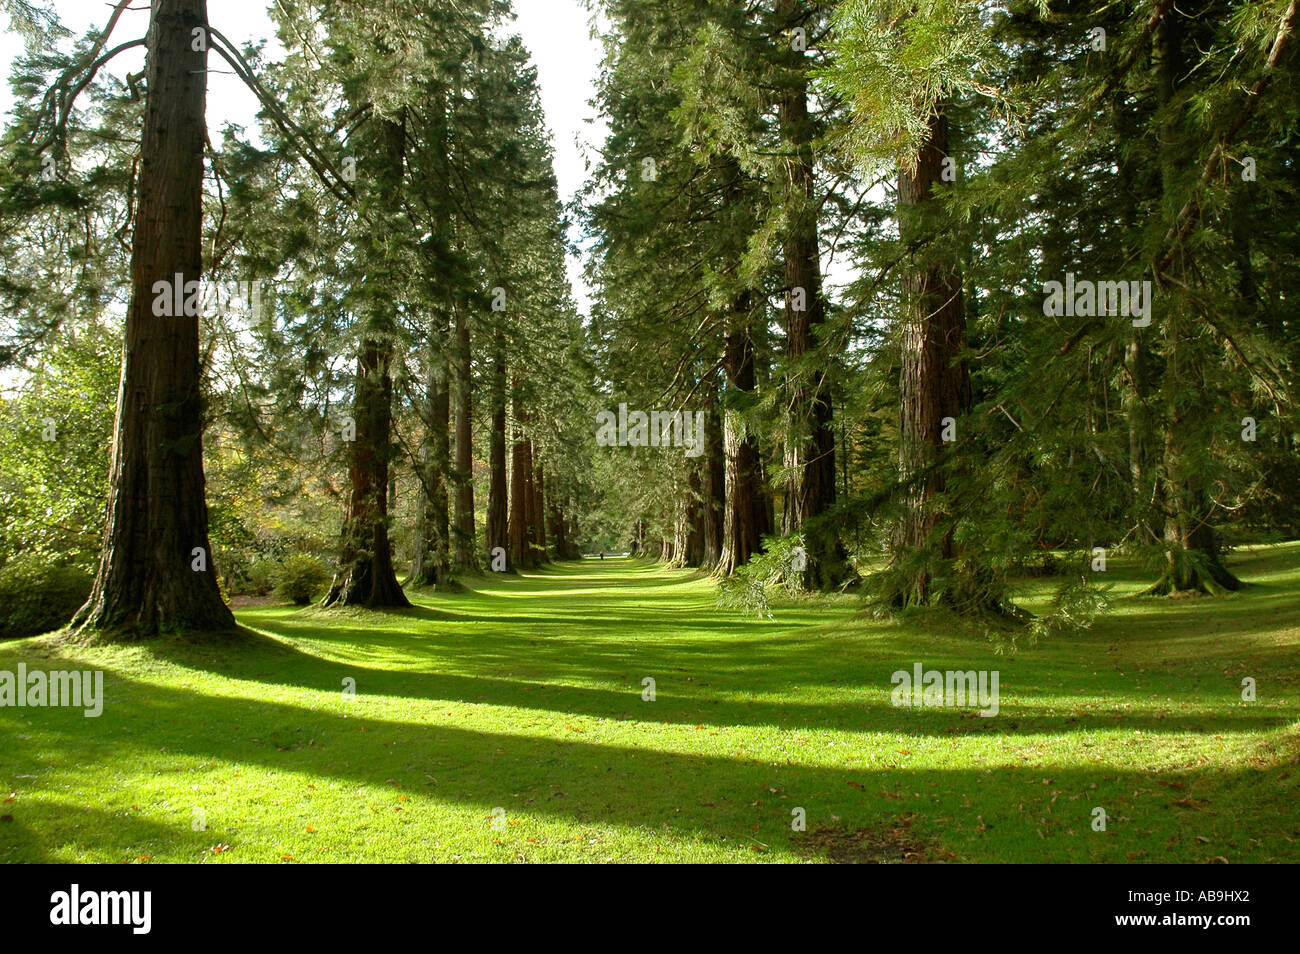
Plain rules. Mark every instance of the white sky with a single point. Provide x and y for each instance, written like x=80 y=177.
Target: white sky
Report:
x=555 y=32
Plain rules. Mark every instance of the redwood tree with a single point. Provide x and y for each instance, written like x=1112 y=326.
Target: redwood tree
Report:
x=365 y=575
x=934 y=380
x=156 y=573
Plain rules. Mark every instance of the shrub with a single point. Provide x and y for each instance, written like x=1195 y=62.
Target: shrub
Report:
x=36 y=597
x=261 y=577
x=299 y=578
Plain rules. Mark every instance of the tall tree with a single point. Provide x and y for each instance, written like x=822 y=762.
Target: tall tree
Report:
x=365 y=575
x=156 y=571
x=810 y=441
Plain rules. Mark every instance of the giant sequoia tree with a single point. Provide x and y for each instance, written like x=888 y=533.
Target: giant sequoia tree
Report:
x=156 y=572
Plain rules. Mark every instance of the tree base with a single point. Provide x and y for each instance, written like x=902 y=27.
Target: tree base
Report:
x=1203 y=584
x=355 y=589
x=100 y=623
x=1194 y=572
x=91 y=634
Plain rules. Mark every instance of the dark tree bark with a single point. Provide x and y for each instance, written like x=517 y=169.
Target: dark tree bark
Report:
x=1137 y=394
x=688 y=543
x=1193 y=558
x=934 y=382
x=537 y=514
x=573 y=530
x=366 y=576
x=714 y=481
x=431 y=563
x=748 y=515
x=497 y=529
x=156 y=572
x=810 y=442
x=518 y=550
x=521 y=493
x=559 y=527
x=465 y=535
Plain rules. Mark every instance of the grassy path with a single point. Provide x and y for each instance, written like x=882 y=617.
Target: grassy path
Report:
x=508 y=724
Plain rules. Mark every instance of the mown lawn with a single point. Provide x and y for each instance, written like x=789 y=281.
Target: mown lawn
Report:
x=507 y=724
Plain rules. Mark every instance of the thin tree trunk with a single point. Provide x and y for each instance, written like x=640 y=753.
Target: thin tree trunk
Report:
x=810 y=441
x=1136 y=395
x=747 y=514
x=156 y=570
x=521 y=491
x=559 y=531
x=431 y=564
x=538 y=512
x=689 y=540
x=714 y=488
x=497 y=529
x=465 y=536
x=573 y=530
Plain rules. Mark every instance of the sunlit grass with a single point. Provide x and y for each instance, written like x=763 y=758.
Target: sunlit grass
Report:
x=524 y=695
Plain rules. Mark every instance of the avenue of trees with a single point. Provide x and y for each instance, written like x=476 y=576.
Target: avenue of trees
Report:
x=959 y=291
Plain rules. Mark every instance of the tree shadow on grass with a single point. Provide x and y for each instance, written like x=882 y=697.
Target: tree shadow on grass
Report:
x=712 y=699
x=1034 y=813
x=40 y=833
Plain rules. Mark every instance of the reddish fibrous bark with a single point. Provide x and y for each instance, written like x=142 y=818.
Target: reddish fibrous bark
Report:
x=156 y=571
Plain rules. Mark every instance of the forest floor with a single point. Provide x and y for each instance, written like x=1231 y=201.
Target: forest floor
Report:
x=507 y=723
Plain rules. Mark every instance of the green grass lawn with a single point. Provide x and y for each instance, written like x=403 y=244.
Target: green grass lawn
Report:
x=507 y=724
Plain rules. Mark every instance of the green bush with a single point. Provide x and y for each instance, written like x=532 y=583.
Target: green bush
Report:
x=260 y=578
x=36 y=597
x=299 y=578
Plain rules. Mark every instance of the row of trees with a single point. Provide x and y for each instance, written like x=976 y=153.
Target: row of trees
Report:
x=401 y=227
x=418 y=385
x=950 y=423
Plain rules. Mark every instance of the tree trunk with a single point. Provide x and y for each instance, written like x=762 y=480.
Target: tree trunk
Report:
x=810 y=439
x=747 y=514
x=1193 y=558
x=689 y=538
x=365 y=576
x=521 y=492
x=537 y=515
x=431 y=564
x=714 y=488
x=933 y=383
x=574 y=531
x=559 y=531
x=497 y=529
x=156 y=571
x=1136 y=395
x=465 y=535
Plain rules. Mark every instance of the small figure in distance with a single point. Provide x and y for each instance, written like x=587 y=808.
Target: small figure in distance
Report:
x=602 y=554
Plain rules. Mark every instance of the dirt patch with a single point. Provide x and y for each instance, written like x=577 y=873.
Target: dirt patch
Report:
x=892 y=843
x=248 y=602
